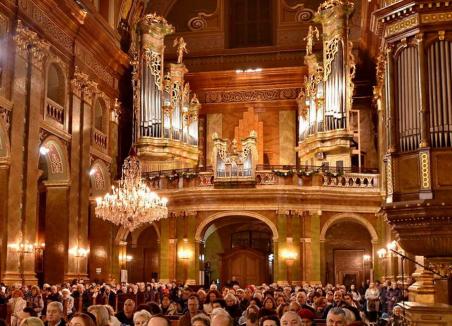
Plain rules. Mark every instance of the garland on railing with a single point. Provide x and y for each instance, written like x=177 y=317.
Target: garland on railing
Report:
x=188 y=175
x=307 y=173
x=172 y=177
x=283 y=173
x=333 y=174
x=154 y=177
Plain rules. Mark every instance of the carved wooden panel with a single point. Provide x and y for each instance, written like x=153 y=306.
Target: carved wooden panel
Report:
x=247 y=265
x=408 y=173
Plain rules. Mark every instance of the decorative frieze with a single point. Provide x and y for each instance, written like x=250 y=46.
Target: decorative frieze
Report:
x=27 y=40
x=402 y=25
x=258 y=95
x=50 y=28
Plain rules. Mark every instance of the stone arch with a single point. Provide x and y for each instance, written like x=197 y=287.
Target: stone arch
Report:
x=99 y=178
x=53 y=160
x=4 y=141
x=100 y=112
x=123 y=233
x=352 y=217
x=204 y=224
x=56 y=83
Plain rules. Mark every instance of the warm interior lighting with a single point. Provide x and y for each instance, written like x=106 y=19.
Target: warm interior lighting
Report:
x=44 y=150
x=79 y=252
x=22 y=247
x=92 y=171
x=248 y=70
x=132 y=203
x=392 y=245
x=289 y=256
x=381 y=253
x=366 y=258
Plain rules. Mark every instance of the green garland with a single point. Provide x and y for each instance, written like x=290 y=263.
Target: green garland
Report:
x=283 y=173
x=172 y=177
x=188 y=175
x=304 y=173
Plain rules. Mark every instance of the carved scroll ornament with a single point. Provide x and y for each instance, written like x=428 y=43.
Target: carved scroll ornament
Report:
x=154 y=62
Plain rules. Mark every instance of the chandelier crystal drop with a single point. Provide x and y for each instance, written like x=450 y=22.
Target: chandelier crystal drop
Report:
x=131 y=203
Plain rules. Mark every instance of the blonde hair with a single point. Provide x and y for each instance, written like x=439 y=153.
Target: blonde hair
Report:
x=32 y=321
x=101 y=313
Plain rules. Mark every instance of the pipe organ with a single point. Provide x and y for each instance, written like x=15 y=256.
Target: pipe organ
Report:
x=414 y=98
x=165 y=110
x=325 y=102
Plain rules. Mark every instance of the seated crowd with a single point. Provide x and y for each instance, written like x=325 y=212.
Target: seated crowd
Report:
x=157 y=304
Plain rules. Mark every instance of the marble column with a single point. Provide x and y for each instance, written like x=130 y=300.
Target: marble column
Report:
x=56 y=232
x=165 y=255
x=317 y=250
x=280 y=264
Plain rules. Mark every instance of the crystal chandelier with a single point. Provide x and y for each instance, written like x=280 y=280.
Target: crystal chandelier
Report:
x=132 y=203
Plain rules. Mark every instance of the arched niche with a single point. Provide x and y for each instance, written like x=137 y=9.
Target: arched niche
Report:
x=100 y=119
x=352 y=217
x=56 y=84
x=202 y=227
x=99 y=177
x=53 y=160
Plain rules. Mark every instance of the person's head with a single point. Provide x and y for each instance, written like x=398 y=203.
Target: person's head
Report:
x=54 y=312
x=329 y=296
x=165 y=301
x=218 y=303
x=28 y=312
x=301 y=297
x=32 y=321
x=220 y=317
x=251 y=319
x=81 y=319
x=307 y=316
x=159 y=320
x=352 y=287
x=280 y=300
x=230 y=299
x=17 y=294
x=290 y=318
x=371 y=285
x=270 y=320
x=397 y=311
x=200 y=320
x=101 y=314
x=35 y=290
x=212 y=295
x=348 y=299
x=65 y=293
x=129 y=307
x=282 y=308
x=53 y=289
x=269 y=303
x=193 y=304
x=294 y=306
x=336 y=317
x=141 y=318
x=201 y=295
x=256 y=302
x=338 y=297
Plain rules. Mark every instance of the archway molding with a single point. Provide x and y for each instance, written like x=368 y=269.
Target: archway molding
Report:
x=123 y=233
x=202 y=227
x=55 y=160
x=351 y=217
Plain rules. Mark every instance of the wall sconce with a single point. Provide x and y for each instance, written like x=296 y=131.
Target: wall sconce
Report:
x=366 y=258
x=44 y=150
x=381 y=253
x=22 y=247
x=184 y=254
x=392 y=246
x=78 y=252
x=289 y=256
x=124 y=258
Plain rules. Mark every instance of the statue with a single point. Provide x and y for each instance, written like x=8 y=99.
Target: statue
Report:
x=194 y=100
x=312 y=32
x=181 y=48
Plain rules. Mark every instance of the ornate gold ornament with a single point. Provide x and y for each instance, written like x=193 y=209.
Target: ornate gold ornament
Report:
x=27 y=40
x=402 y=25
x=425 y=169
x=154 y=61
x=331 y=49
x=181 y=48
x=312 y=33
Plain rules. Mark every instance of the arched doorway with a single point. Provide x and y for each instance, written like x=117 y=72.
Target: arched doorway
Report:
x=237 y=246
x=53 y=211
x=346 y=243
x=142 y=255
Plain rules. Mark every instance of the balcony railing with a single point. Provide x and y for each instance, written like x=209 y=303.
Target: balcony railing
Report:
x=54 y=111
x=272 y=175
x=100 y=139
